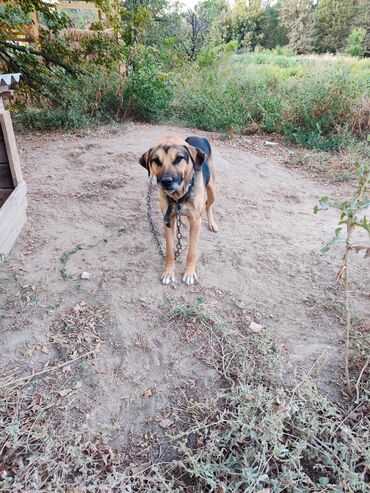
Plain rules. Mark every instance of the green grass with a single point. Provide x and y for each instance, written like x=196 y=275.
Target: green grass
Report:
x=318 y=102
x=312 y=101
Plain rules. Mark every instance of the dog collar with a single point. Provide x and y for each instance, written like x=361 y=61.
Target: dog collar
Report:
x=181 y=200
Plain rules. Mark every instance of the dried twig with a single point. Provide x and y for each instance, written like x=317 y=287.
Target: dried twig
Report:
x=48 y=370
x=360 y=377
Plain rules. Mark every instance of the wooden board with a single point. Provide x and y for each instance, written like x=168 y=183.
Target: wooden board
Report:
x=12 y=217
x=19 y=221
x=10 y=146
x=13 y=190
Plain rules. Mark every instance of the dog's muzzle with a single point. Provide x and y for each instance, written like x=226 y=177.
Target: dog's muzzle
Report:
x=168 y=183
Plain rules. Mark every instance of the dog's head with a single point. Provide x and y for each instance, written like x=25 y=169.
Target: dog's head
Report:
x=171 y=160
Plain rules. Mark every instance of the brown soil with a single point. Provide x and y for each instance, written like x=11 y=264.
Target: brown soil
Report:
x=264 y=265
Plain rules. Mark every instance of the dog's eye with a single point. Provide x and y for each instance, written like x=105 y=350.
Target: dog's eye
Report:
x=178 y=159
x=156 y=161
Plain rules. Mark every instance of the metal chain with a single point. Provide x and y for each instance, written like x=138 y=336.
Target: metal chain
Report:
x=149 y=213
x=178 y=233
x=153 y=229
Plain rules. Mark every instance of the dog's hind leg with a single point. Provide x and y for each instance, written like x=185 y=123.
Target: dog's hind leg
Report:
x=211 y=197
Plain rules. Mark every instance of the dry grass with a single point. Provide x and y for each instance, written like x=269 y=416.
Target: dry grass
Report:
x=254 y=433
x=360 y=120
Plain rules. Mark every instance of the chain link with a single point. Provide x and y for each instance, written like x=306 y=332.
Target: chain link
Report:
x=149 y=213
x=153 y=229
x=178 y=233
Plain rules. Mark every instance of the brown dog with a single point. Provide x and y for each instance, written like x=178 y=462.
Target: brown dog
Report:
x=186 y=181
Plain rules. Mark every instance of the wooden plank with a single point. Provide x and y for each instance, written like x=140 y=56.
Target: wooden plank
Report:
x=8 y=210
x=6 y=180
x=4 y=194
x=7 y=242
x=11 y=146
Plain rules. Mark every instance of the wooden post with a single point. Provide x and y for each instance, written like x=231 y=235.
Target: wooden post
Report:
x=13 y=190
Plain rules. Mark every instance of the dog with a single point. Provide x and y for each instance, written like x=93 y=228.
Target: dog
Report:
x=186 y=180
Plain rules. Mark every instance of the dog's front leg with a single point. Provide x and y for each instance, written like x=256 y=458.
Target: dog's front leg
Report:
x=190 y=275
x=168 y=276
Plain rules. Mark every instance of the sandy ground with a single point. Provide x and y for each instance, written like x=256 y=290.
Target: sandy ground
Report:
x=88 y=189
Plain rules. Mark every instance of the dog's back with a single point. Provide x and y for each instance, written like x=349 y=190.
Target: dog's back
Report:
x=203 y=144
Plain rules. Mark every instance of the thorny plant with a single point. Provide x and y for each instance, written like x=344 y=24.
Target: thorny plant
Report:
x=352 y=217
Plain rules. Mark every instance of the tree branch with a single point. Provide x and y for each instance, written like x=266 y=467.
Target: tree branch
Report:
x=44 y=55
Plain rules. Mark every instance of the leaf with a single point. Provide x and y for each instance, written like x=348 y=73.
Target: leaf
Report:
x=64 y=392
x=165 y=423
x=324 y=481
x=333 y=241
x=323 y=205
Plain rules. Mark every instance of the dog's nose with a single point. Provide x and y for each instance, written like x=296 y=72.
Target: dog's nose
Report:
x=166 y=181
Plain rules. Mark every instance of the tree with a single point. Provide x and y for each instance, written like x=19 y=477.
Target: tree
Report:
x=244 y=23
x=274 y=32
x=333 y=20
x=297 y=17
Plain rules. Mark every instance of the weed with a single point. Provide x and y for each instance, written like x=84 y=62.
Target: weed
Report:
x=353 y=218
x=64 y=259
x=256 y=433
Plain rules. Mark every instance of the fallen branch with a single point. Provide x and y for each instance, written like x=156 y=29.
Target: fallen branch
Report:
x=48 y=370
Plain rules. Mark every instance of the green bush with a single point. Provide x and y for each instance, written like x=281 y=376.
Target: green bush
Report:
x=148 y=91
x=317 y=110
x=356 y=42
x=99 y=95
x=74 y=103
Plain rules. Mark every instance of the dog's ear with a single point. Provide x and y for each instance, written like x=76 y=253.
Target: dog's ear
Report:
x=197 y=156
x=144 y=161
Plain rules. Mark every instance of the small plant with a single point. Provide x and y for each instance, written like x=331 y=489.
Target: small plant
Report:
x=352 y=217
x=64 y=259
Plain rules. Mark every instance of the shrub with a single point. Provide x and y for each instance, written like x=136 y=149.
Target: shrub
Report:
x=356 y=42
x=148 y=90
x=256 y=434
x=75 y=102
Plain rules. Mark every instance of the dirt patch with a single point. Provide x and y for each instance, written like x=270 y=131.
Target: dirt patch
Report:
x=87 y=214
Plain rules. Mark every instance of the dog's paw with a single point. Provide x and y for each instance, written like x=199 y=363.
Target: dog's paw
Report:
x=168 y=277
x=190 y=276
x=213 y=227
